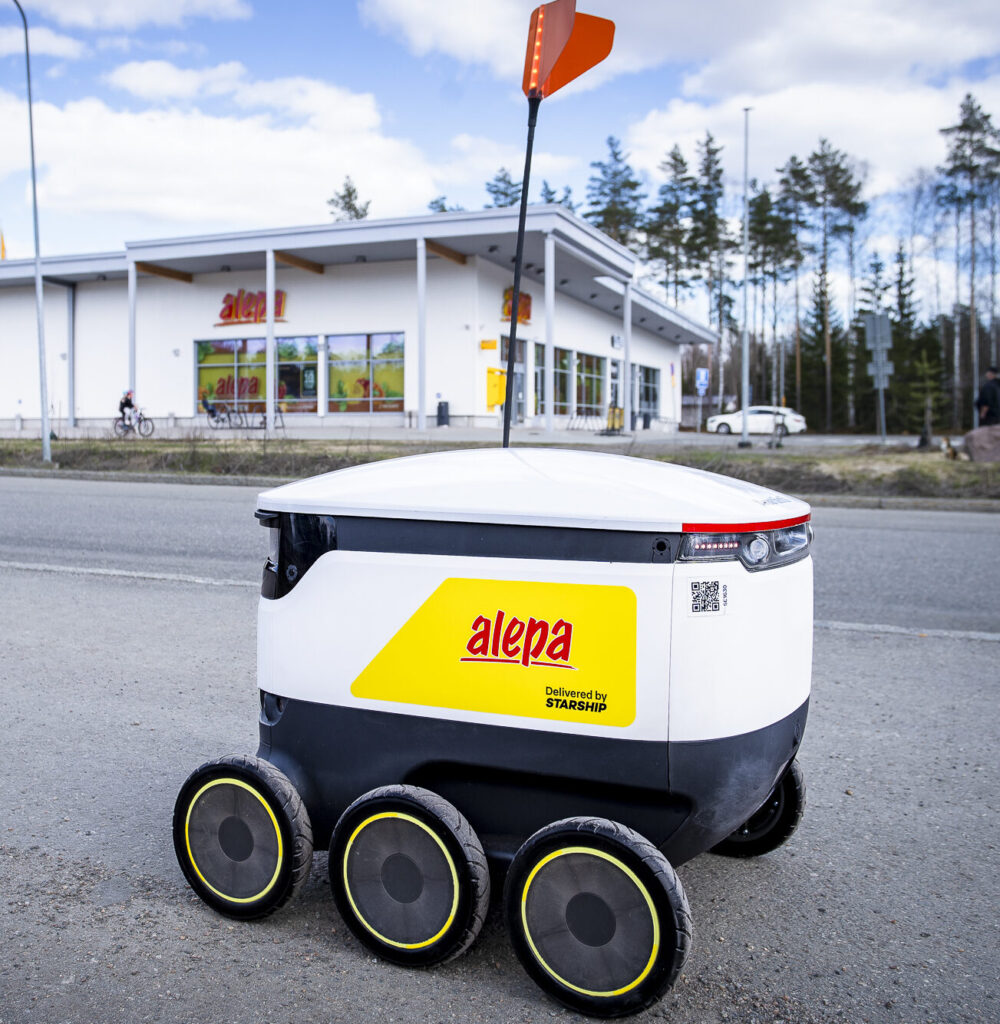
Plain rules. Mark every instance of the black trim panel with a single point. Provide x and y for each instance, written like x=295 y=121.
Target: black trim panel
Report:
x=305 y=537
x=684 y=797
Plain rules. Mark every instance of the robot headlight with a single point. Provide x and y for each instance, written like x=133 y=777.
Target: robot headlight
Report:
x=761 y=549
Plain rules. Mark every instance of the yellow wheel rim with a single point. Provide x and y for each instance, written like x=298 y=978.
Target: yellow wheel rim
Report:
x=277 y=831
x=451 y=867
x=630 y=874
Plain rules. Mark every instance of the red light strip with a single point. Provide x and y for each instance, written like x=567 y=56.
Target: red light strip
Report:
x=536 y=56
x=777 y=524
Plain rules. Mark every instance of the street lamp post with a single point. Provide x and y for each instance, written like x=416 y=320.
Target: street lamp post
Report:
x=745 y=435
x=39 y=298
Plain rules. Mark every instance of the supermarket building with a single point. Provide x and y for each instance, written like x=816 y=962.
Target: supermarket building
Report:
x=370 y=322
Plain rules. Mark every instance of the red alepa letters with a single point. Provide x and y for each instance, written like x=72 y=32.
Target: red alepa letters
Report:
x=531 y=642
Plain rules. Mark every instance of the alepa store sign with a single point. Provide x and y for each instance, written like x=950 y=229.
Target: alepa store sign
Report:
x=245 y=307
x=491 y=645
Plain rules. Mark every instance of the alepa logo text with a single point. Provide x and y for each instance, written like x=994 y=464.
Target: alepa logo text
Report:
x=508 y=640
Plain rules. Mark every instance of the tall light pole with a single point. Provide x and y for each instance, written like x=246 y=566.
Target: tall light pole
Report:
x=745 y=438
x=39 y=298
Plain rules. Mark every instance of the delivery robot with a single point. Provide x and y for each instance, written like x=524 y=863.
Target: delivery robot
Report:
x=578 y=670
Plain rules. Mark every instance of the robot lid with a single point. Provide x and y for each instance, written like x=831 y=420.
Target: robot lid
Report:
x=541 y=487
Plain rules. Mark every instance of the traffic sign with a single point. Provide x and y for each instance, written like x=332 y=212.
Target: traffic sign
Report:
x=701 y=379
x=878 y=331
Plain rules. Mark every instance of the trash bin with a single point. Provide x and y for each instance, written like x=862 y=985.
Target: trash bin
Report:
x=442 y=418
x=587 y=668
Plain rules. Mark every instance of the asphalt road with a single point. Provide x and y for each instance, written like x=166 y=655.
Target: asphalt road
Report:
x=881 y=908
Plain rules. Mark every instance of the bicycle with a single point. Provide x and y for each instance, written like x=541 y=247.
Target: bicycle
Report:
x=137 y=423
x=221 y=417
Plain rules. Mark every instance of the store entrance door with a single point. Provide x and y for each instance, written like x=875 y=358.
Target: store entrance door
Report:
x=517 y=411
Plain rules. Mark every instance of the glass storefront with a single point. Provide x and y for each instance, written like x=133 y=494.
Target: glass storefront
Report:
x=298 y=373
x=366 y=372
x=589 y=385
x=562 y=370
x=231 y=373
x=649 y=391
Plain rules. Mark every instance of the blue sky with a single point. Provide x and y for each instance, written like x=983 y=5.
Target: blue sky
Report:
x=158 y=119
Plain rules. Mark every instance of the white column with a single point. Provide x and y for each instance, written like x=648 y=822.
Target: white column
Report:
x=572 y=383
x=322 y=378
x=421 y=334
x=529 y=379
x=270 y=364
x=550 y=331
x=71 y=353
x=131 y=324
x=627 y=329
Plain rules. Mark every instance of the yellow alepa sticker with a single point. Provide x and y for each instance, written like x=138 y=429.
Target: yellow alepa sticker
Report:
x=563 y=651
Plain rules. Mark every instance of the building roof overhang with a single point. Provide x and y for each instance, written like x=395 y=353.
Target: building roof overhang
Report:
x=589 y=266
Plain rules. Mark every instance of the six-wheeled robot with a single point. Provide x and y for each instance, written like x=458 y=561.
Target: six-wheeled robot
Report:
x=577 y=669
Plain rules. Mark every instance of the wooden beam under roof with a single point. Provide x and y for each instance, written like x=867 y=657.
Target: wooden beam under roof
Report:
x=299 y=261
x=157 y=271
x=449 y=254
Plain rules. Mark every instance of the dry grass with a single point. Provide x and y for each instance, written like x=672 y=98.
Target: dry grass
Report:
x=871 y=471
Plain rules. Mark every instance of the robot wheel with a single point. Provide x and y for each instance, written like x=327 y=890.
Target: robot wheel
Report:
x=409 y=875
x=242 y=836
x=597 y=916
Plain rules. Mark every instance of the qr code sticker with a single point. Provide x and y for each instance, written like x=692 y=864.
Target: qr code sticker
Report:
x=705 y=596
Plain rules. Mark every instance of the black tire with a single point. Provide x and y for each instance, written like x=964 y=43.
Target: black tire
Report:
x=723 y=428
x=773 y=822
x=409 y=875
x=782 y=430
x=119 y=427
x=242 y=836
x=597 y=916
x=146 y=427
x=216 y=421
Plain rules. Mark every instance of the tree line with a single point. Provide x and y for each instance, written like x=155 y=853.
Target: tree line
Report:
x=812 y=272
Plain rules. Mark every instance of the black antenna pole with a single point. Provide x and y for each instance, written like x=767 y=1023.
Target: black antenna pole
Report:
x=533 y=104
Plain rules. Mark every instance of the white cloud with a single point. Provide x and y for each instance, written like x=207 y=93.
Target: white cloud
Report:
x=130 y=14
x=739 y=47
x=42 y=41
x=895 y=128
x=161 y=80
x=275 y=164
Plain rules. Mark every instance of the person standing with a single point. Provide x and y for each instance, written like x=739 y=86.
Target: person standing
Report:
x=988 y=400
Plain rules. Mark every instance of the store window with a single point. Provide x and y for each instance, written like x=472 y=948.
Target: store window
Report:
x=539 y=379
x=649 y=391
x=563 y=368
x=298 y=373
x=589 y=385
x=232 y=374
x=366 y=372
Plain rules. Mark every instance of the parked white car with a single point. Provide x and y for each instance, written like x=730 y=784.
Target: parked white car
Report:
x=760 y=420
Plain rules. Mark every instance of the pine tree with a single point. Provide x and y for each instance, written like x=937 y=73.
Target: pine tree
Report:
x=345 y=205
x=668 y=223
x=795 y=196
x=614 y=196
x=549 y=196
x=708 y=241
x=439 y=204
x=835 y=194
x=503 y=190
x=973 y=164
x=822 y=332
